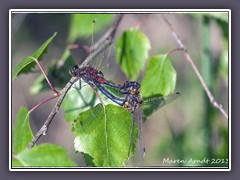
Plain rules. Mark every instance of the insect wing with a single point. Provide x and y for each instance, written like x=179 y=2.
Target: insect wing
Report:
x=78 y=52
x=137 y=116
x=150 y=105
x=105 y=61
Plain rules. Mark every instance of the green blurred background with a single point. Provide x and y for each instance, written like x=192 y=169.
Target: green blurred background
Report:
x=188 y=128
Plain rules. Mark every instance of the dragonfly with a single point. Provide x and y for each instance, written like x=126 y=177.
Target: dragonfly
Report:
x=134 y=102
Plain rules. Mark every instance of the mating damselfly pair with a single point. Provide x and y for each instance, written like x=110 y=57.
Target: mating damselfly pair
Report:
x=127 y=95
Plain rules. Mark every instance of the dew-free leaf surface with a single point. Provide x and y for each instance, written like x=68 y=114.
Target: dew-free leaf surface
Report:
x=27 y=64
x=160 y=77
x=22 y=131
x=132 y=52
x=45 y=155
x=104 y=134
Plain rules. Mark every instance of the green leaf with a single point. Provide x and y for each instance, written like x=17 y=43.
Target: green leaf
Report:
x=82 y=25
x=88 y=160
x=224 y=27
x=104 y=134
x=45 y=155
x=22 y=132
x=160 y=77
x=222 y=21
x=219 y=16
x=16 y=163
x=132 y=52
x=27 y=64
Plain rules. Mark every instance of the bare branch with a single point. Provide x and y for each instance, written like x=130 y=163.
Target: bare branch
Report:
x=45 y=75
x=99 y=46
x=55 y=110
x=189 y=59
x=41 y=103
x=173 y=50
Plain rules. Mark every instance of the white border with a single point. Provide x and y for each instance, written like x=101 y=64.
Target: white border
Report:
x=122 y=11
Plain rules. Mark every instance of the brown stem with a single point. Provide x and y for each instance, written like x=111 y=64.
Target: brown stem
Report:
x=43 y=72
x=189 y=59
x=173 y=50
x=100 y=99
x=41 y=103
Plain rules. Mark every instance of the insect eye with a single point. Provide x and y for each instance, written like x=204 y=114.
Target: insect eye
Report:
x=72 y=71
x=134 y=90
x=100 y=74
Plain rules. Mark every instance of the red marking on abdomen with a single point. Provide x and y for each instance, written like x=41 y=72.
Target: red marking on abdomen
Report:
x=101 y=80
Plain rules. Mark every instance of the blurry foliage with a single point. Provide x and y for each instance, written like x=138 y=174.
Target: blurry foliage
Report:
x=224 y=61
x=45 y=155
x=203 y=132
x=132 y=52
x=132 y=46
x=82 y=25
x=220 y=18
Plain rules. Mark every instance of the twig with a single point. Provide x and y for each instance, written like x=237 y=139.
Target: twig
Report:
x=173 y=50
x=55 y=110
x=102 y=43
x=43 y=72
x=189 y=59
x=41 y=103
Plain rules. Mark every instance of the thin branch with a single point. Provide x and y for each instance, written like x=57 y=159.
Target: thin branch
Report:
x=101 y=44
x=55 y=110
x=173 y=50
x=41 y=103
x=189 y=59
x=43 y=72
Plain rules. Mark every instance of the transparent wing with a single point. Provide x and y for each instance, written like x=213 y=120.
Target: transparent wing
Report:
x=131 y=138
x=137 y=116
x=79 y=52
x=152 y=104
x=105 y=61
